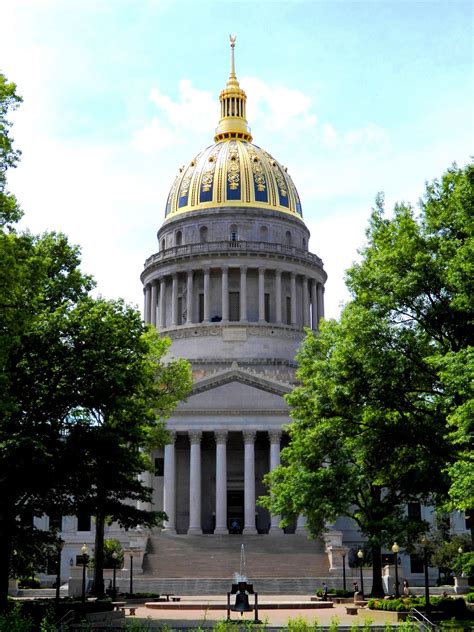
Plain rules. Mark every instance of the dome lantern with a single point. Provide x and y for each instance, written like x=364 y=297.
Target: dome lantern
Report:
x=233 y=122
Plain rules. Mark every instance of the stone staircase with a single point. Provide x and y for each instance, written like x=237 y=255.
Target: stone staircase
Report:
x=205 y=564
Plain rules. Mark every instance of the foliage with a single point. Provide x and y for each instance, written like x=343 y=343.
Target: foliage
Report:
x=447 y=557
x=15 y=621
x=84 y=390
x=383 y=415
x=110 y=547
x=448 y=605
x=29 y=582
x=469 y=597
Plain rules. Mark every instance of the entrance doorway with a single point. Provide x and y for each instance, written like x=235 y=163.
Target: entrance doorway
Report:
x=235 y=510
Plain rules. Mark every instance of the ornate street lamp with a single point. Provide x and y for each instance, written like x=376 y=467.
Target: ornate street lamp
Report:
x=114 y=584
x=85 y=560
x=360 y=555
x=424 y=544
x=60 y=546
x=460 y=551
x=395 y=550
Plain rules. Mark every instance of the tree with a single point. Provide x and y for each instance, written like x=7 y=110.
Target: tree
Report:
x=75 y=373
x=382 y=413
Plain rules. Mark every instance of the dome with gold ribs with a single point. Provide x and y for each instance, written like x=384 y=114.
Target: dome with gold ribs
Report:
x=233 y=171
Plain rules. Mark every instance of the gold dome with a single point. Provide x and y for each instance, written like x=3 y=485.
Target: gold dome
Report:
x=233 y=171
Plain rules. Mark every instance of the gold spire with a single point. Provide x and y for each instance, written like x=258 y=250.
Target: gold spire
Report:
x=233 y=122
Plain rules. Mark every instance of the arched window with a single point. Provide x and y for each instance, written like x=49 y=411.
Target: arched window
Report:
x=263 y=233
x=163 y=244
x=203 y=234
x=288 y=238
x=179 y=238
x=234 y=233
x=304 y=243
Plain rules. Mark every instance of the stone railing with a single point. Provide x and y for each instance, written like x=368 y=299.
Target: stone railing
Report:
x=213 y=247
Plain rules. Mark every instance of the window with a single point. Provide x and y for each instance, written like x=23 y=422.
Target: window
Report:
x=304 y=243
x=201 y=308
x=159 y=466
x=179 y=238
x=83 y=522
x=203 y=234
x=267 y=307
x=163 y=244
x=234 y=306
x=288 y=238
x=234 y=232
x=416 y=564
x=263 y=233
x=55 y=523
x=288 y=310
x=179 y=315
x=414 y=511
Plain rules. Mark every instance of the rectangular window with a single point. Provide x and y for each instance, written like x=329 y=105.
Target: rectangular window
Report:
x=179 y=315
x=201 y=308
x=416 y=564
x=234 y=306
x=288 y=310
x=83 y=522
x=55 y=523
x=267 y=307
x=159 y=466
x=414 y=511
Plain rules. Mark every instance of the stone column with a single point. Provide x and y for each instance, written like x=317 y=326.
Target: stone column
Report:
x=305 y=302
x=174 y=301
x=195 y=484
x=293 y=298
x=320 y=301
x=147 y=318
x=225 y=294
x=207 y=295
x=162 y=302
x=153 y=302
x=221 y=483
x=189 y=298
x=314 y=304
x=301 y=525
x=243 y=294
x=249 y=481
x=278 y=297
x=275 y=438
x=261 y=295
x=169 y=486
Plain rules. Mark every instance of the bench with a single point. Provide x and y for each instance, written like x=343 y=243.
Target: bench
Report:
x=175 y=598
x=131 y=610
x=351 y=609
x=118 y=604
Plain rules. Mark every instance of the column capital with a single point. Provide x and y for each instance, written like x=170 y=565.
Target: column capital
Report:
x=262 y=269
x=249 y=436
x=221 y=436
x=275 y=436
x=195 y=436
x=225 y=268
x=278 y=272
x=172 y=436
x=243 y=269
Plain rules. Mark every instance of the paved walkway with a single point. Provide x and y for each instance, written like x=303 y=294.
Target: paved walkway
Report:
x=198 y=614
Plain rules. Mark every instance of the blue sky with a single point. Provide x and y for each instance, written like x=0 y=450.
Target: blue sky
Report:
x=353 y=97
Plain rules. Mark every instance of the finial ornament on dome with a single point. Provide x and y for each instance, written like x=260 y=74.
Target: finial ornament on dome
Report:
x=232 y=39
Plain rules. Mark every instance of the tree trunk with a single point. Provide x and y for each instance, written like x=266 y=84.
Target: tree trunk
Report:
x=377 y=585
x=98 y=586
x=6 y=530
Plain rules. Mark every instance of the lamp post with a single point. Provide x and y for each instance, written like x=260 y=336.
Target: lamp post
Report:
x=58 y=574
x=131 y=573
x=460 y=551
x=424 y=544
x=114 y=576
x=344 y=571
x=85 y=559
x=395 y=549
x=360 y=555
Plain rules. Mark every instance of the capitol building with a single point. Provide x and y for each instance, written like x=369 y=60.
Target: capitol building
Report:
x=234 y=285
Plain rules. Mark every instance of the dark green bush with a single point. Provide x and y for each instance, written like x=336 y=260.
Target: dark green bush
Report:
x=29 y=582
x=470 y=597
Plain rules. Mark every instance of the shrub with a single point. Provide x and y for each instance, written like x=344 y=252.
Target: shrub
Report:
x=470 y=597
x=29 y=582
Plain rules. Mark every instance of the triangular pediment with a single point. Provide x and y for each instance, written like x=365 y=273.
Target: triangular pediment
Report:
x=234 y=389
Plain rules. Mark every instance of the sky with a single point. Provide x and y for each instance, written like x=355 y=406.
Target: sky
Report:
x=353 y=97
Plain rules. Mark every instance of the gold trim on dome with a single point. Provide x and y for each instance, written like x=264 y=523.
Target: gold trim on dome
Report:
x=258 y=174
x=233 y=168
x=208 y=173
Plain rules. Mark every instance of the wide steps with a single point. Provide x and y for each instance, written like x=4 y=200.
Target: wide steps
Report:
x=220 y=586
x=214 y=557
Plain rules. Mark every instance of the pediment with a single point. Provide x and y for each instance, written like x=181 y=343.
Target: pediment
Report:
x=235 y=389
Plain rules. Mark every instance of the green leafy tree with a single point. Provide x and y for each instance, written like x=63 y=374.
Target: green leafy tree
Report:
x=383 y=413
x=83 y=384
